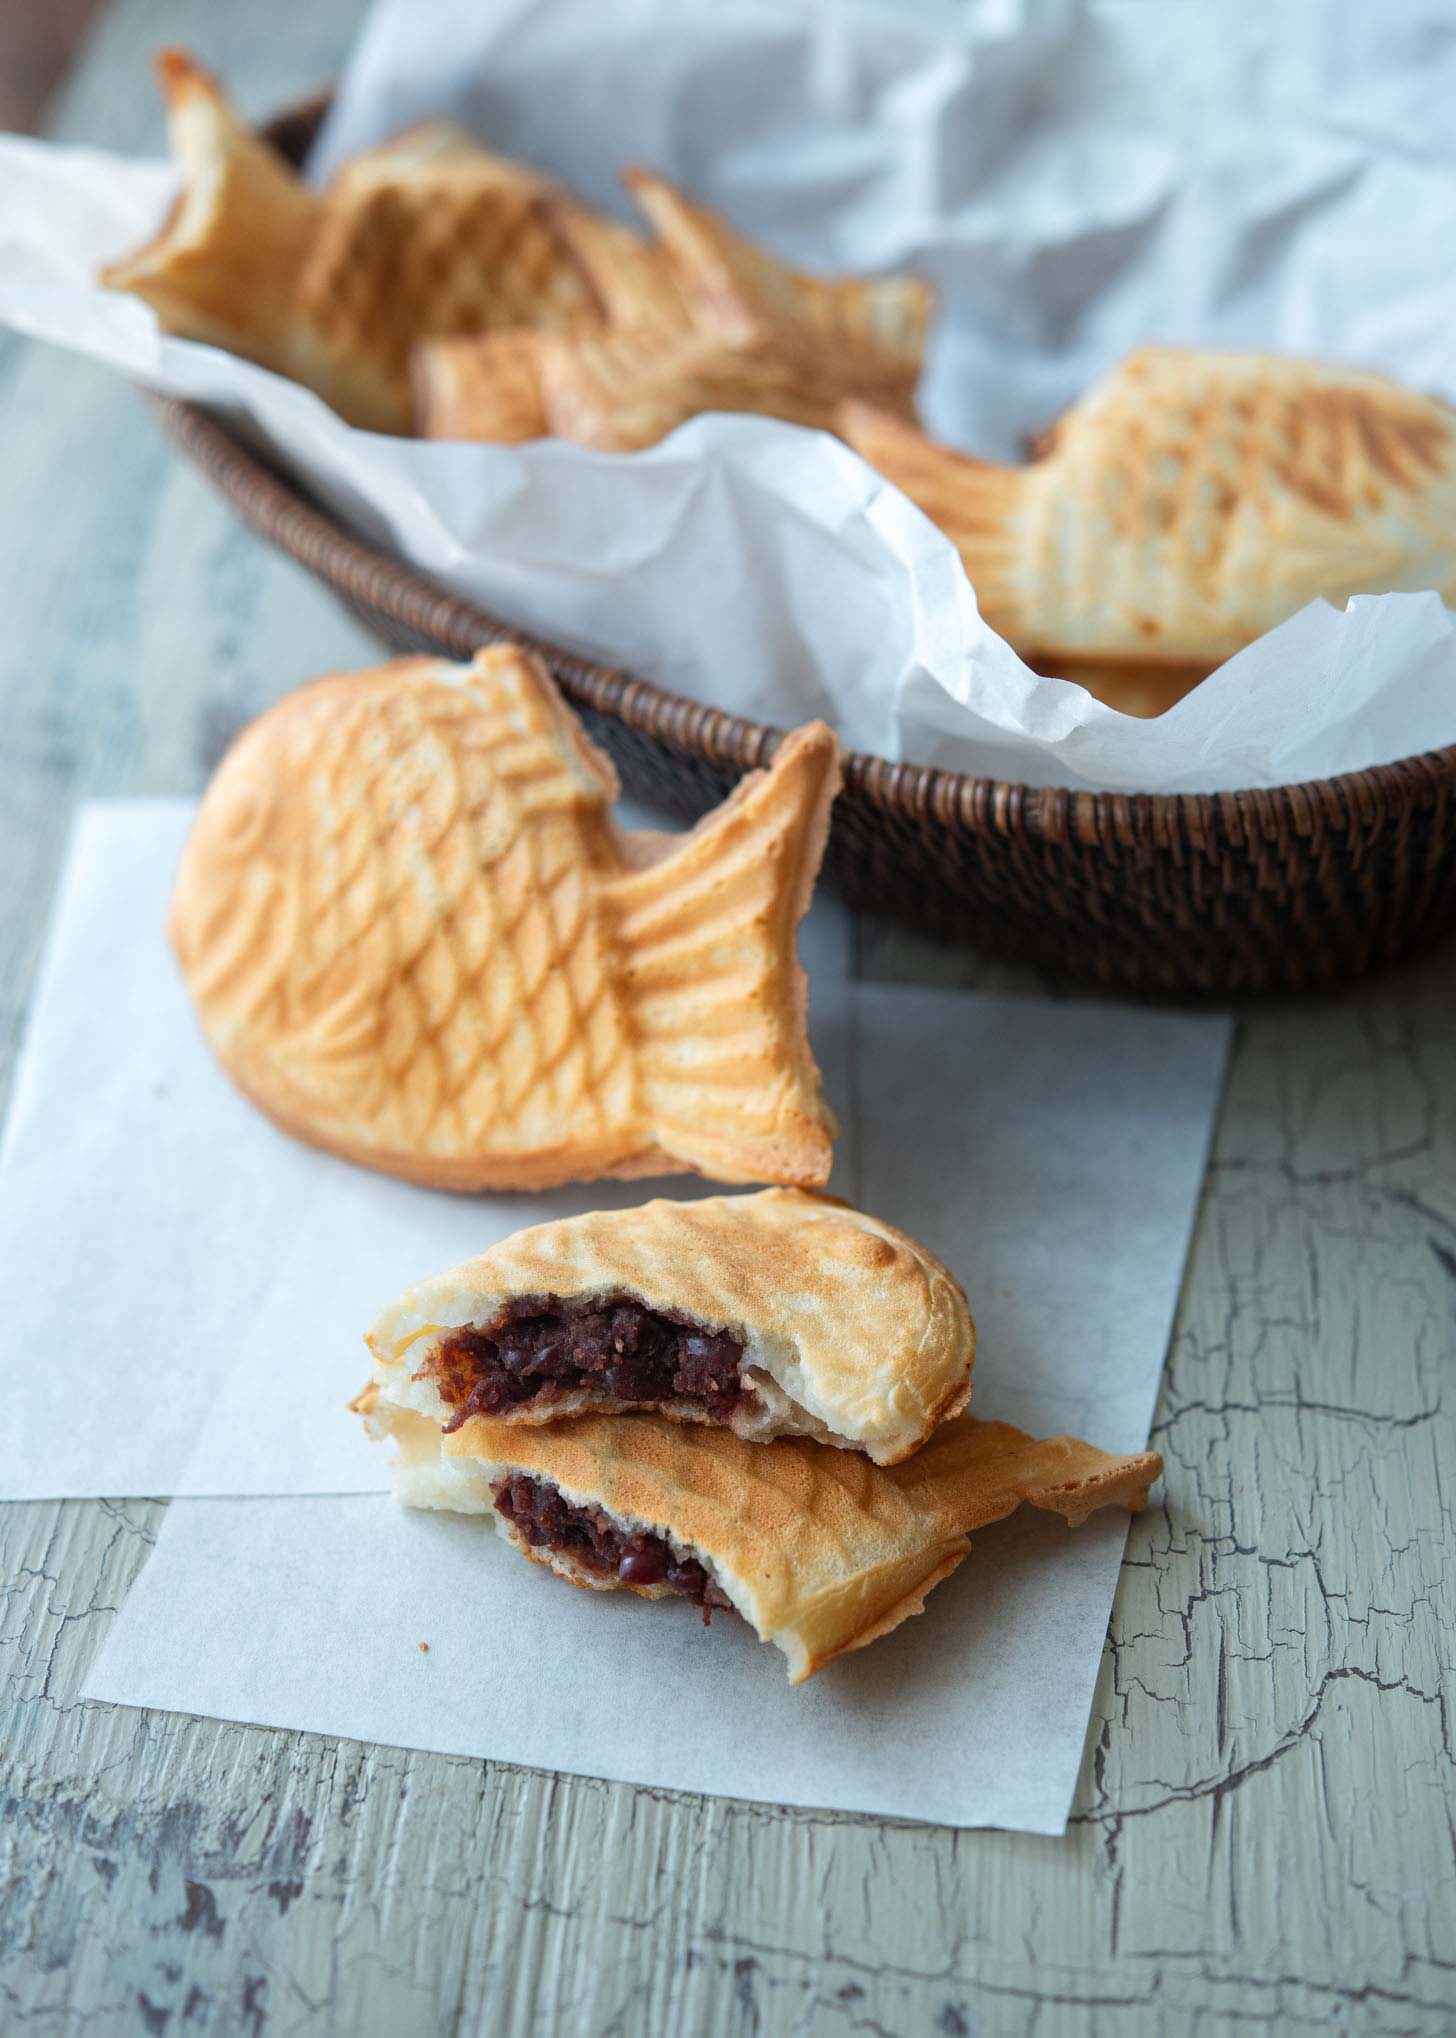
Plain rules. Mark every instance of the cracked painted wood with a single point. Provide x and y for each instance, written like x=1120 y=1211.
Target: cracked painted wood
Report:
x=1263 y=1832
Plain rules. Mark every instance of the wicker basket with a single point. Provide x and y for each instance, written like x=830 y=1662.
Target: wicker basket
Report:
x=1211 y=894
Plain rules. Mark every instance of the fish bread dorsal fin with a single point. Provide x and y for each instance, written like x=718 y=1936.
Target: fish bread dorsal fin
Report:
x=711 y=981
x=632 y=276
x=729 y=275
x=222 y=266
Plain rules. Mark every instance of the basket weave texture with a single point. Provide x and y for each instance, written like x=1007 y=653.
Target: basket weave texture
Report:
x=1208 y=894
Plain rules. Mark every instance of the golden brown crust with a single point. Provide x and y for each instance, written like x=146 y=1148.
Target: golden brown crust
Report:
x=635 y=281
x=729 y=279
x=1189 y=502
x=436 y=248
x=433 y=239
x=224 y=264
x=428 y=236
x=626 y=388
x=486 y=387
x=821 y=1551
x=863 y=1329
x=415 y=937
x=622 y=388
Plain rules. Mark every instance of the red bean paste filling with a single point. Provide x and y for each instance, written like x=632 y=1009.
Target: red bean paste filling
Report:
x=612 y=1343
x=547 y=1521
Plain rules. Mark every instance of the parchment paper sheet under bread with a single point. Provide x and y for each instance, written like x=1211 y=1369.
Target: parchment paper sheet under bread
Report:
x=1052 y=1152
x=1077 y=179
x=309 y=1613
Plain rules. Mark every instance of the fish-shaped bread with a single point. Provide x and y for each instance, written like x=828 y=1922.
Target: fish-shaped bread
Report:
x=414 y=935
x=1188 y=503
x=429 y=235
x=433 y=236
x=819 y=1550
x=776 y=1314
x=622 y=388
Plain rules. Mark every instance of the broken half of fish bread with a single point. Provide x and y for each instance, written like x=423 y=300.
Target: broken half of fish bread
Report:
x=414 y=935
x=727 y=275
x=224 y=266
x=1189 y=502
x=776 y=1314
x=819 y=1550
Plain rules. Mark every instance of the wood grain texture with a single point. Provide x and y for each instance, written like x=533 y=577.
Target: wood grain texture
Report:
x=1263 y=1833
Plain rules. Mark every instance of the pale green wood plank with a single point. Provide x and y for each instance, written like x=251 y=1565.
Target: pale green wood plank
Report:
x=1263 y=1835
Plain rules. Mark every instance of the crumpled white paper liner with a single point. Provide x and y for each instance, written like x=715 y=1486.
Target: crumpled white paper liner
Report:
x=1077 y=180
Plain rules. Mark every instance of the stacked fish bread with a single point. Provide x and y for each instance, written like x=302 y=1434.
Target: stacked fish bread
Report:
x=751 y=1402
x=1188 y=503
x=390 y=292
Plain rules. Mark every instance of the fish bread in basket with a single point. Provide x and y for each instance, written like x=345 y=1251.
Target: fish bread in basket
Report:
x=1211 y=894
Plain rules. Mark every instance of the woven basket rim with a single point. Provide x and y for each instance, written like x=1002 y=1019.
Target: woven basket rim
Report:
x=911 y=788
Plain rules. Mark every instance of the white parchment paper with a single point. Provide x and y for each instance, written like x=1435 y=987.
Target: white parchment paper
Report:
x=186 y=1289
x=310 y=1612
x=1077 y=179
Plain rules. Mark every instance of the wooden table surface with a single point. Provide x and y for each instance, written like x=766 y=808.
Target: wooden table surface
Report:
x=1263 y=1830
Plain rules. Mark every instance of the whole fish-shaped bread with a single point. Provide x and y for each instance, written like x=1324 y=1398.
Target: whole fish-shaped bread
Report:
x=819 y=1550
x=1188 y=503
x=414 y=936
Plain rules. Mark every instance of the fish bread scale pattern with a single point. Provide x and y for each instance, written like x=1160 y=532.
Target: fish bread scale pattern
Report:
x=714 y=1490
x=450 y=913
x=728 y=272
x=804 y=1526
x=1202 y=505
x=402 y=265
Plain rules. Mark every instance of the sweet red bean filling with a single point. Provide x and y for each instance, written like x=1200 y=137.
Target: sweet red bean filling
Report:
x=540 y=1513
x=627 y=1351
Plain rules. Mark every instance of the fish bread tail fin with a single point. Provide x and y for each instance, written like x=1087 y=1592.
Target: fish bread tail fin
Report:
x=718 y=999
x=975 y=502
x=223 y=264
x=973 y=1472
